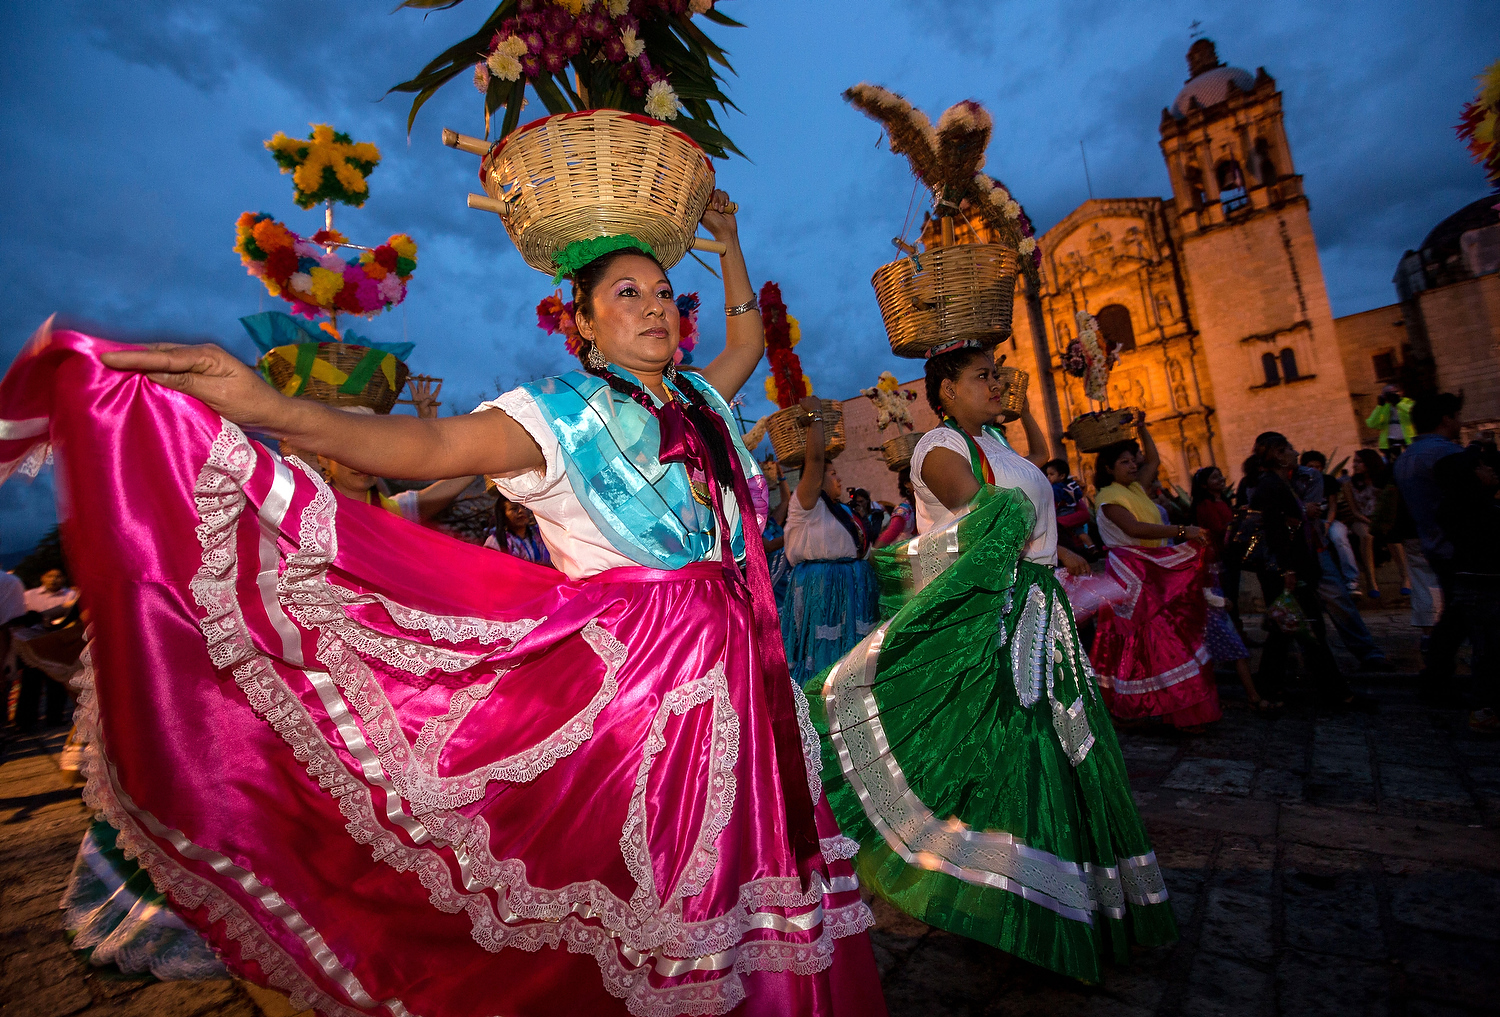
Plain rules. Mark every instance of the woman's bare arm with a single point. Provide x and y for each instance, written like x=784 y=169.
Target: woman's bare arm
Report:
x=399 y=447
x=433 y=498
x=949 y=476
x=811 y=481
x=1133 y=527
x=744 y=337
x=1036 y=441
x=1151 y=458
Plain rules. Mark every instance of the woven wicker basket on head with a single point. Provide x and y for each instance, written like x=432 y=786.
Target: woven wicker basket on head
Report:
x=328 y=372
x=1015 y=380
x=1094 y=431
x=947 y=295
x=788 y=432
x=898 y=450
x=577 y=176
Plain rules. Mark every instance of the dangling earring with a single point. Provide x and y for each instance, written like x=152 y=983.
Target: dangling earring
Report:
x=596 y=359
x=671 y=372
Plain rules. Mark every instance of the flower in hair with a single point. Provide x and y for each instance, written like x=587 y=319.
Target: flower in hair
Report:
x=687 y=311
x=556 y=318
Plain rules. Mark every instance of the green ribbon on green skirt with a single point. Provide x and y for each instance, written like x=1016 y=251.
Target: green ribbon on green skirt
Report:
x=966 y=748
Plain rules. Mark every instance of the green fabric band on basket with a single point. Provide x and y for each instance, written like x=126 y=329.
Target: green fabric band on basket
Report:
x=580 y=252
x=363 y=372
x=306 y=354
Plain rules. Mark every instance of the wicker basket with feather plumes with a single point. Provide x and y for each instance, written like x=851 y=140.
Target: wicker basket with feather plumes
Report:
x=947 y=295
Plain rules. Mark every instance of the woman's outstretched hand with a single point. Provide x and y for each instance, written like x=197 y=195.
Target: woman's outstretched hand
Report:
x=209 y=373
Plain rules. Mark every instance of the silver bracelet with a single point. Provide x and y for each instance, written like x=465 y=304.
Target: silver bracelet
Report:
x=750 y=305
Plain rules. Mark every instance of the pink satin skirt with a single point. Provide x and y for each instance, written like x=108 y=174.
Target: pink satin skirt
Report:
x=1149 y=647
x=390 y=773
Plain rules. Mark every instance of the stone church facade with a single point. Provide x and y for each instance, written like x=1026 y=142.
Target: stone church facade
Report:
x=1216 y=297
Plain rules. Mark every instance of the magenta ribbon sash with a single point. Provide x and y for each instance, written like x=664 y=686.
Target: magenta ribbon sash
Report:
x=681 y=442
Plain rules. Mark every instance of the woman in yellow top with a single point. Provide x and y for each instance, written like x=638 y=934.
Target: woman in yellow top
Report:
x=1149 y=648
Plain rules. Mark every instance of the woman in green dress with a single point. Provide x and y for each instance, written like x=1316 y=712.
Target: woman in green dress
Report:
x=964 y=741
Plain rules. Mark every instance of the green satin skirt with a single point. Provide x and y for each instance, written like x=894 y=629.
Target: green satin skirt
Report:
x=966 y=747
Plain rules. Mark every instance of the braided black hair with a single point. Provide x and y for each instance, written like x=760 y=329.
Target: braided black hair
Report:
x=699 y=413
x=947 y=367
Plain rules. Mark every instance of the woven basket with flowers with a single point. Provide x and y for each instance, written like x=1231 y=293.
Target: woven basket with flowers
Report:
x=605 y=170
x=327 y=364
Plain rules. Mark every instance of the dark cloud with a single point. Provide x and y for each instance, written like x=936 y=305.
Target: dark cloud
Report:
x=133 y=139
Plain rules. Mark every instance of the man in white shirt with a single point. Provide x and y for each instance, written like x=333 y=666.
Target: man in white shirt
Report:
x=53 y=598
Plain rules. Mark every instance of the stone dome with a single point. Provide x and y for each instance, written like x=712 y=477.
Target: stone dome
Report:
x=1211 y=87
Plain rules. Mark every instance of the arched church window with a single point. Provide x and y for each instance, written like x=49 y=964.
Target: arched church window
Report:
x=1289 y=364
x=1114 y=323
x=1231 y=185
x=1194 y=177
x=1265 y=166
x=1064 y=335
x=1269 y=364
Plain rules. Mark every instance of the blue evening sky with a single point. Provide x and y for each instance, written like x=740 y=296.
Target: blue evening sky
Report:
x=132 y=139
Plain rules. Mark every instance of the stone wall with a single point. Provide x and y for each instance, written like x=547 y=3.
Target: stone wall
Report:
x=1463 y=325
x=1362 y=338
x=1257 y=290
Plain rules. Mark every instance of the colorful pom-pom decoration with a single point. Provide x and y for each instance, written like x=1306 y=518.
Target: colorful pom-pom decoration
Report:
x=327 y=165
x=315 y=281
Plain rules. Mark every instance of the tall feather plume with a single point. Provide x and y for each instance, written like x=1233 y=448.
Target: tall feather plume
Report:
x=909 y=129
x=963 y=133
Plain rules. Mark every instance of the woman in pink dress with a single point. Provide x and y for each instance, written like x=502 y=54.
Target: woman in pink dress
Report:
x=404 y=775
x=1149 y=647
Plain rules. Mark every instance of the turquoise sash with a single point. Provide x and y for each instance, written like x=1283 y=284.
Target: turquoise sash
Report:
x=610 y=445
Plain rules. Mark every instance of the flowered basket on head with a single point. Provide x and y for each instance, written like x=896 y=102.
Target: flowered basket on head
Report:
x=580 y=176
x=339 y=374
x=898 y=451
x=947 y=295
x=1094 y=431
x=1015 y=380
x=788 y=431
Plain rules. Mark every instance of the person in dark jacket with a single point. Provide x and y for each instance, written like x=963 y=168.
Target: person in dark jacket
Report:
x=1470 y=519
x=1294 y=566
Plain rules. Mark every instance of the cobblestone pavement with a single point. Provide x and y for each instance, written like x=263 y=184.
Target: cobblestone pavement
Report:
x=1319 y=865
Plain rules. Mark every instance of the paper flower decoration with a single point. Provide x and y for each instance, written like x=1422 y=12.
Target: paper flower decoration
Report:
x=1480 y=124
x=326 y=166
x=890 y=403
x=1097 y=360
x=555 y=317
x=787 y=385
x=314 y=281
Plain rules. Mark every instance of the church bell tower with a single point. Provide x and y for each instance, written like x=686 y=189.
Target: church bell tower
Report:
x=1251 y=262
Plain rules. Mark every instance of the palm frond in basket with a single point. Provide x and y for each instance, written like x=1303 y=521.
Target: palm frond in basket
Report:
x=648 y=56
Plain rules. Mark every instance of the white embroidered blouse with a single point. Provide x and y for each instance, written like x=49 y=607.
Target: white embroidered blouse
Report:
x=1011 y=469
x=577 y=545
